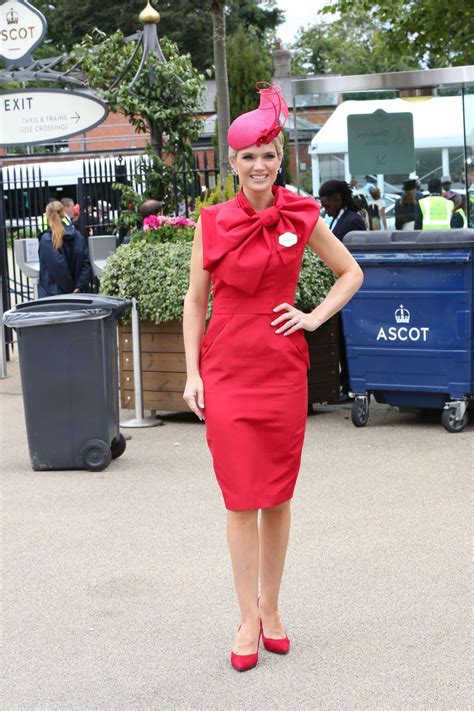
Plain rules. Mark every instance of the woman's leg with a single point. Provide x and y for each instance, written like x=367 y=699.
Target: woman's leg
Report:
x=242 y=537
x=274 y=533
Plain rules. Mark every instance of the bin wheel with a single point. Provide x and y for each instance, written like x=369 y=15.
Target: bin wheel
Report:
x=451 y=423
x=96 y=455
x=360 y=412
x=118 y=446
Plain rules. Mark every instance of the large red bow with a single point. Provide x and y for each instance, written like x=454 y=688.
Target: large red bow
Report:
x=238 y=241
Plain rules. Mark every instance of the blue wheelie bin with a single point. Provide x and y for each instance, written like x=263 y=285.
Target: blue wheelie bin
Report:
x=67 y=349
x=409 y=331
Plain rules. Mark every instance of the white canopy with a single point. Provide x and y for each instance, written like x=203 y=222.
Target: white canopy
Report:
x=437 y=122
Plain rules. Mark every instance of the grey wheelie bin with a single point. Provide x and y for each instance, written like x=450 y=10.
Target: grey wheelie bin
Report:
x=68 y=363
x=409 y=331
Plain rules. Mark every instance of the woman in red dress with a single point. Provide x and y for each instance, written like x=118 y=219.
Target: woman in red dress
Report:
x=247 y=375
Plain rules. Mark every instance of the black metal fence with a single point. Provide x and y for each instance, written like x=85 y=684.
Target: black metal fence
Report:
x=23 y=195
x=25 y=191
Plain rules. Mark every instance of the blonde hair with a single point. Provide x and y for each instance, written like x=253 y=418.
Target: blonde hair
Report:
x=54 y=217
x=278 y=142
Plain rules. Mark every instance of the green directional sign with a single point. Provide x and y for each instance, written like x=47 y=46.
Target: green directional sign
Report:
x=381 y=143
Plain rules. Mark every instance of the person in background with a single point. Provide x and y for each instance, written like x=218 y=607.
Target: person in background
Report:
x=459 y=218
x=446 y=191
x=69 y=210
x=435 y=212
x=68 y=204
x=77 y=213
x=149 y=207
x=64 y=259
x=369 y=183
x=405 y=207
x=468 y=203
x=337 y=199
x=376 y=205
x=104 y=219
x=419 y=194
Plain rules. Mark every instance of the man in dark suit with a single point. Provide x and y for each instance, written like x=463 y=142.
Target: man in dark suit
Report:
x=336 y=198
x=338 y=202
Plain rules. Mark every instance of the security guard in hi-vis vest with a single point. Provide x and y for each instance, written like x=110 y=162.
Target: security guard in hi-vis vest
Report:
x=435 y=212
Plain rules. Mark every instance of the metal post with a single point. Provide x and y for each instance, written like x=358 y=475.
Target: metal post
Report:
x=3 y=363
x=297 y=150
x=139 y=420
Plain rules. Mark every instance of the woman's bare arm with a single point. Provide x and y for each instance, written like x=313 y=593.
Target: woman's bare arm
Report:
x=349 y=280
x=194 y=319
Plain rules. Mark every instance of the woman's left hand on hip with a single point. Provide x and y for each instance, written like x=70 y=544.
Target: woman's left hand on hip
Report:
x=291 y=320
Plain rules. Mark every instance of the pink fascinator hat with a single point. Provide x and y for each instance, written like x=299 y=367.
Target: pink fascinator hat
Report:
x=263 y=124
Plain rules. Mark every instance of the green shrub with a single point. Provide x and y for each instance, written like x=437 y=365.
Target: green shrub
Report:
x=314 y=283
x=216 y=196
x=157 y=275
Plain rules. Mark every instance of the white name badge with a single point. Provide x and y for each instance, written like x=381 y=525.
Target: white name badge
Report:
x=288 y=239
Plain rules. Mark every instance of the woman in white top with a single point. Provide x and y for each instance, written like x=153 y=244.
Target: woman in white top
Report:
x=378 y=219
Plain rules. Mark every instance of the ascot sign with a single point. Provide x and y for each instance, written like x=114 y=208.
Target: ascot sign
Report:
x=403 y=333
x=22 y=27
x=37 y=116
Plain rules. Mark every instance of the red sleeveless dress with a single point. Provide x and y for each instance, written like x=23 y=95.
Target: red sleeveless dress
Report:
x=255 y=381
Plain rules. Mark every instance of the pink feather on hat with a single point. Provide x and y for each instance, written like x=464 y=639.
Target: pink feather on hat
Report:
x=263 y=124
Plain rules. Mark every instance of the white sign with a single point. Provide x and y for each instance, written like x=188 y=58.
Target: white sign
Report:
x=22 y=27
x=31 y=250
x=43 y=116
x=403 y=333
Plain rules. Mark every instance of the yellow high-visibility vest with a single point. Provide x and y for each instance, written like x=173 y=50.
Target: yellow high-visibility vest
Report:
x=463 y=216
x=437 y=212
x=44 y=222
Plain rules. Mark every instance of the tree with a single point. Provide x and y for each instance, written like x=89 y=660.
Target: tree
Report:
x=164 y=100
x=222 y=85
x=68 y=22
x=433 y=33
x=353 y=44
x=249 y=61
x=185 y=22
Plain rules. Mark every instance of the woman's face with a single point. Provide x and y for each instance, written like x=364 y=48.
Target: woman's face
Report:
x=332 y=204
x=257 y=167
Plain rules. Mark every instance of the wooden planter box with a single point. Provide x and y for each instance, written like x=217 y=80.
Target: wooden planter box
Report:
x=323 y=377
x=164 y=365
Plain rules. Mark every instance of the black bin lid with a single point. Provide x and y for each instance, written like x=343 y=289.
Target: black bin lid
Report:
x=401 y=240
x=66 y=308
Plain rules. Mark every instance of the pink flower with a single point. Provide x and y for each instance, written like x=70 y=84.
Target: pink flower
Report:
x=151 y=222
x=154 y=222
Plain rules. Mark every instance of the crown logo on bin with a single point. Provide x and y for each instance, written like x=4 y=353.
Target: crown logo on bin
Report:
x=12 y=17
x=402 y=315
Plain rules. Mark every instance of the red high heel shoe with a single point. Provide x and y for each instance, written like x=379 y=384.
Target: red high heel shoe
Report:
x=277 y=646
x=244 y=662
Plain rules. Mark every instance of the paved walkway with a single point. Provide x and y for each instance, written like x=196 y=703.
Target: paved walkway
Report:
x=117 y=585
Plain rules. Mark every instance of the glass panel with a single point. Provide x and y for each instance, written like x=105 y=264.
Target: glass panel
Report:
x=443 y=135
x=331 y=167
x=468 y=104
